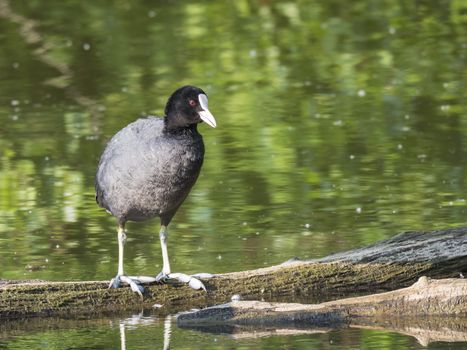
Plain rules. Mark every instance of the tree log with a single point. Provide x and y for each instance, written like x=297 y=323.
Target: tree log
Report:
x=387 y=265
x=424 y=298
x=403 y=311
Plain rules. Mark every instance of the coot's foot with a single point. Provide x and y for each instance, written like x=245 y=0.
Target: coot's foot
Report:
x=193 y=280
x=115 y=282
x=134 y=282
x=162 y=277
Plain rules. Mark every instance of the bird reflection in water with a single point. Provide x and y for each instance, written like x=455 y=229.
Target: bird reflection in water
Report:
x=139 y=319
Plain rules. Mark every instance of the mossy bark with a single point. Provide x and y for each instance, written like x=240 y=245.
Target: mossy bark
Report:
x=444 y=255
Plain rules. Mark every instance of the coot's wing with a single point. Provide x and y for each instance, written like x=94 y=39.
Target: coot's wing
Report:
x=122 y=160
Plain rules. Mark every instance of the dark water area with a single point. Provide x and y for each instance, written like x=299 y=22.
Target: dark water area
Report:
x=339 y=124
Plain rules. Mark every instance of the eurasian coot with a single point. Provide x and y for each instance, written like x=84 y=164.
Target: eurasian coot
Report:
x=147 y=170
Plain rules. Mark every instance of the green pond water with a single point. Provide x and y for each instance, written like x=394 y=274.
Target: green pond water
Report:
x=339 y=124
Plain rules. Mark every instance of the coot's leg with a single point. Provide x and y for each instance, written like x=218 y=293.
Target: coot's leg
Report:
x=121 y=245
x=166 y=275
x=163 y=234
x=116 y=281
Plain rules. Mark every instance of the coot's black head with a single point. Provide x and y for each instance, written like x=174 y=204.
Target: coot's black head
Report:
x=186 y=107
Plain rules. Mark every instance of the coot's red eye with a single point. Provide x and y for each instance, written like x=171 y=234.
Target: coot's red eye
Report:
x=192 y=103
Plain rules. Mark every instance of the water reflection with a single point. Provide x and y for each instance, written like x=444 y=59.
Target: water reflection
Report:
x=167 y=332
x=146 y=329
x=122 y=336
x=137 y=320
x=425 y=331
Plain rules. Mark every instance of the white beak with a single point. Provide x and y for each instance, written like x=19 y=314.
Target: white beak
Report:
x=205 y=115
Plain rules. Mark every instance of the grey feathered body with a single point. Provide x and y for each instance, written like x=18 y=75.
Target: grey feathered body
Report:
x=145 y=171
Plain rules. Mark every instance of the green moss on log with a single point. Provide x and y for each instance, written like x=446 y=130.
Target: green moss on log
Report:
x=437 y=254
x=299 y=279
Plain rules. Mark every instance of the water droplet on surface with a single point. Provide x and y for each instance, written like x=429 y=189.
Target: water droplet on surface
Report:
x=14 y=103
x=361 y=93
x=358 y=210
x=152 y=14
x=86 y=46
